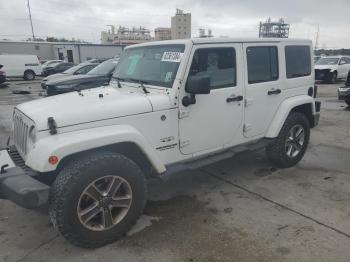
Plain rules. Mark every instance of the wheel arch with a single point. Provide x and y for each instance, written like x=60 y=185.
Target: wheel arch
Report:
x=304 y=104
x=123 y=139
x=129 y=149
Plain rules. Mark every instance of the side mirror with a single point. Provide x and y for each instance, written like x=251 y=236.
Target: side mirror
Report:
x=198 y=85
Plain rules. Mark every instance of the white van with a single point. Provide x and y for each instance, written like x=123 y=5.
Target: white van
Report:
x=26 y=66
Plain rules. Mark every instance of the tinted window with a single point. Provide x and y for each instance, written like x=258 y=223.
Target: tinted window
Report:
x=298 y=61
x=217 y=63
x=262 y=62
x=104 y=68
x=84 y=69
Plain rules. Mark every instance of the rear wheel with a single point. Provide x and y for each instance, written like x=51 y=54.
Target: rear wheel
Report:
x=96 y=199
x=29 y=75
x=289 y=147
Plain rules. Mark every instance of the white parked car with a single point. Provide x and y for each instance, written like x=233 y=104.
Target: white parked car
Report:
x=26 y=66
x=170 y=106
x=330 y=68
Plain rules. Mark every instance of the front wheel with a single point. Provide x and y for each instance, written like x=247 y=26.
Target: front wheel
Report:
x=289 y=147
x=333 y=78
x=96 y=199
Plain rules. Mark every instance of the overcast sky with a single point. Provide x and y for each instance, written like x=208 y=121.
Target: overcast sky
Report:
x=85 y=19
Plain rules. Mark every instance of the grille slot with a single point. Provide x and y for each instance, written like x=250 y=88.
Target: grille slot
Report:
x=17 y=159
x=21 y=130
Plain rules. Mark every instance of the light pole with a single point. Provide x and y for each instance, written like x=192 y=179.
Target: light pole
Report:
x=30 y=19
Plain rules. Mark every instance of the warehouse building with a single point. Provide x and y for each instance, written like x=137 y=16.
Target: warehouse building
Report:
x=71 y=52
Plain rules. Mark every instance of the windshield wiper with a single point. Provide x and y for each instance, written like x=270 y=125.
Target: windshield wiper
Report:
x=141 y=82
x=118 y=80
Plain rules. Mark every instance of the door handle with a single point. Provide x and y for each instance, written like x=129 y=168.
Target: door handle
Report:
x=274 y=92
x=234 y=99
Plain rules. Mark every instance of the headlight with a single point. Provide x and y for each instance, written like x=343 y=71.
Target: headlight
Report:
x=32 y=134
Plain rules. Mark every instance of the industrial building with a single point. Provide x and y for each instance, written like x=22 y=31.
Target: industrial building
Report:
x=162 y=33
x=71 y=52
x=125 y=36
x=181 y=25
x=278 y=29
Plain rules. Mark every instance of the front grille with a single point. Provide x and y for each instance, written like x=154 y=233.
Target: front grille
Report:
x=21 y=126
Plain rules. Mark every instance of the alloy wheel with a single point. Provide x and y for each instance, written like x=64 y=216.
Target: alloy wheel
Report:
x=104 y=203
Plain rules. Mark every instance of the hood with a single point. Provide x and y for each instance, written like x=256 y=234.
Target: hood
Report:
x=330 y=67
x=73 y=108
x=73 y=79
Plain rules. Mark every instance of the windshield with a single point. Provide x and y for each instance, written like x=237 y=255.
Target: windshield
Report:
x=327 y=61
x=104 y=68
x=155 y=65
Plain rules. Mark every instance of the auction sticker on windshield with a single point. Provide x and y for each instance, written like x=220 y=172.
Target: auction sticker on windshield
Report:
x=172 y=57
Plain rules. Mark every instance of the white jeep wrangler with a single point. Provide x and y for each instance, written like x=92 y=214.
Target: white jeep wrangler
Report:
x=170 y=106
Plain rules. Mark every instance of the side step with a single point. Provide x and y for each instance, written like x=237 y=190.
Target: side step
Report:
x=212 y=158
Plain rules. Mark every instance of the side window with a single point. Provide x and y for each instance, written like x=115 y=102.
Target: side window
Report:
x=343 y=60
x=217 y=63
x=262 y=63
x=298 y=61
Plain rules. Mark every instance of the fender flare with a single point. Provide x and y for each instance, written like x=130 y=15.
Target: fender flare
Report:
x=66 y=144
x=283 y=111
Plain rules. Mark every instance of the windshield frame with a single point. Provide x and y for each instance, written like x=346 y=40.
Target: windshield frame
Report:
x=149 y=82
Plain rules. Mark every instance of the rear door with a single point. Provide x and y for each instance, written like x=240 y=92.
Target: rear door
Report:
x=262 y=85
x=215 y=118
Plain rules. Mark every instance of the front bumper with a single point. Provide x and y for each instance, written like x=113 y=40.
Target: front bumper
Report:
x=17 y=183
x=316 y=116
x=344 y=93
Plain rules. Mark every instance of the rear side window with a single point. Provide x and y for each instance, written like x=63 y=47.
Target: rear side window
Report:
x=298 y=61
x=262 y=62
x=217 y=63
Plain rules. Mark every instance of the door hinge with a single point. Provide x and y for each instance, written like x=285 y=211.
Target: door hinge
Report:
x=248 y=102
x=184 y=143
x=183 y=114
x=247 y=127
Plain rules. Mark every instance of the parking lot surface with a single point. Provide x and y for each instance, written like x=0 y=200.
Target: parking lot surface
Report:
x=241 y=209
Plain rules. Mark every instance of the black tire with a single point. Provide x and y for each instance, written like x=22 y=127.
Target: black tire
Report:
x=74 y=178
x=333 y=77
x=347 y=102
x=29 y=75
x=276 y=151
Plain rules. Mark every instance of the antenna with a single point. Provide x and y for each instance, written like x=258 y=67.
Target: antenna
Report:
x=30 y=19
x=317 y=34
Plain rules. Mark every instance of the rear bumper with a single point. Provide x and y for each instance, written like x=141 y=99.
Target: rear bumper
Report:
x=19 y=185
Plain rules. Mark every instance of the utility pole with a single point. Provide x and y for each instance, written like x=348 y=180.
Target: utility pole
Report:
x=30 y=19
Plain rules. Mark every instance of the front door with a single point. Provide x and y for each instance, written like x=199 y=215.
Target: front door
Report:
x=262 y=86
x=215 y=118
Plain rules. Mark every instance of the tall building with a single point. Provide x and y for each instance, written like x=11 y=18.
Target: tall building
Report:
x=162 y=33
x=181 y=25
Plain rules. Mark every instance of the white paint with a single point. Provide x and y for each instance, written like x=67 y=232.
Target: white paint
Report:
x=16 y=65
